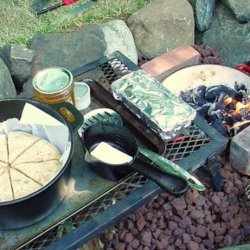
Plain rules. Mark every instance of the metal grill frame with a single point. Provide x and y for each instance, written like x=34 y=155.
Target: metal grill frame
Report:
x=136 y=190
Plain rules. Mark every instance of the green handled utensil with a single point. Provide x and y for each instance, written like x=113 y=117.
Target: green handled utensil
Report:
x=170 y=167
x=76 y=11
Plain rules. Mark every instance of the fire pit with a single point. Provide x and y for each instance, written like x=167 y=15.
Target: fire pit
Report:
x=218 y=93
x=226 y=109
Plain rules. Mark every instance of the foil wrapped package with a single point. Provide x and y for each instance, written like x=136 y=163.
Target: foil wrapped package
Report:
x=161 y=111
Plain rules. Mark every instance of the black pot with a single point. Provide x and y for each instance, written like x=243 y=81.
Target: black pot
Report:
x=36 y=206
x=121 y=138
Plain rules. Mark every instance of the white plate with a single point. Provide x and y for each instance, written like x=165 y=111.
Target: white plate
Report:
x=205 y=74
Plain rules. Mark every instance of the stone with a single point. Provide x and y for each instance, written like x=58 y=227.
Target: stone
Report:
x=228 y=240
x=240 y=152
x=119 y=38
x=203 y=13
x=178 y=242
x=192 y=245
x=146 y=238
x=227 y=217
x=69 y=50
x=140 y=221
x=162 y=244
x=172 y=225
x=128 y=237
x=135 y=243
x=161 y=26
x=7 y=88
x=191 y=229
x=215 y=199
x=120 y=246
x=208 y=243
x=156 y=233
x=200 y=200
x=228 y=187
x=186 y=238
x=18 y=59
x=167 y=206
x=227 y=35
x=162 y=66
x=130 y=224
x=241 y=9
x=185 y=222
x=179 y=203
x=197 y=214
x=201 y=231
x=178 y=231
x=197 y=239
x=208 y=219
x=149 y=216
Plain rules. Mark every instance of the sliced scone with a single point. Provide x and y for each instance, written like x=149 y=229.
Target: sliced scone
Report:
x=21 y=184
x=3 y=168
x=42 y=172
x=39 y=152
x=19 y=142
x=3 y=148
x=5 y=186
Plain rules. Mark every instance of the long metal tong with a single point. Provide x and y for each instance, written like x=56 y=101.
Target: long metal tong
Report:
x=172 y=168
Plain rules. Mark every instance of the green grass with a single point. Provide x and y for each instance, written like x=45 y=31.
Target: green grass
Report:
x=18 y=24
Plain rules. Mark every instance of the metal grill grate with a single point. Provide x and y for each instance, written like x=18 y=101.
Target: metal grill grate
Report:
x=192 y=139
x=122 y=190
x=187 y=143
x=114 y=69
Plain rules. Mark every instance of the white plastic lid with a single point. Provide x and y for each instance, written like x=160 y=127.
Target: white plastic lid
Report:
x=82 y=95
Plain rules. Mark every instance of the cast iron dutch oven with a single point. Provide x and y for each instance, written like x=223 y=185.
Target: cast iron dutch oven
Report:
x=36 y=206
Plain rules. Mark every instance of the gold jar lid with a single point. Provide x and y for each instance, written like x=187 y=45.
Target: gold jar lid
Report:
x=52 y=80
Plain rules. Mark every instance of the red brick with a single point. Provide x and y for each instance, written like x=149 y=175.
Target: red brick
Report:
x=166 y=64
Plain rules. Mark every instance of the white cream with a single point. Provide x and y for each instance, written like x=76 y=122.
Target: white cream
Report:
x=108 y=154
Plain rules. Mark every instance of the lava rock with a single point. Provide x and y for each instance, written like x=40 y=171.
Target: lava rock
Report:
x=146 y=238
x=201 y=231
x=140 y=221
x=192 y=245
x=197 y=214
x=179 y=204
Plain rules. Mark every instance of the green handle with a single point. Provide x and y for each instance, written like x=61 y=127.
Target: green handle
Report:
x=170 y=167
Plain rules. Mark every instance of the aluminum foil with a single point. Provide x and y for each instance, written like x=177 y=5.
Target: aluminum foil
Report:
x=162 y=111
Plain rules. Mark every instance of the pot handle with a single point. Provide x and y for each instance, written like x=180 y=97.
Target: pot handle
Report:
x=71 y=115
x=170 y=183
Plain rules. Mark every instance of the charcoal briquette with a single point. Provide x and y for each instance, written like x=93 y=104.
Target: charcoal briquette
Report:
x=240 y=86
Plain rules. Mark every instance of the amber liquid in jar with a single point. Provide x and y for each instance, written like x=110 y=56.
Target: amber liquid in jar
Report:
x=53 y=85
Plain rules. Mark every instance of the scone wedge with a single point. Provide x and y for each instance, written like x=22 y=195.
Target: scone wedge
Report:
x=21 y=184
x=5 y=190
x=3 y=148
x=41 y=151
x=42 y=172
x=18 y=143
